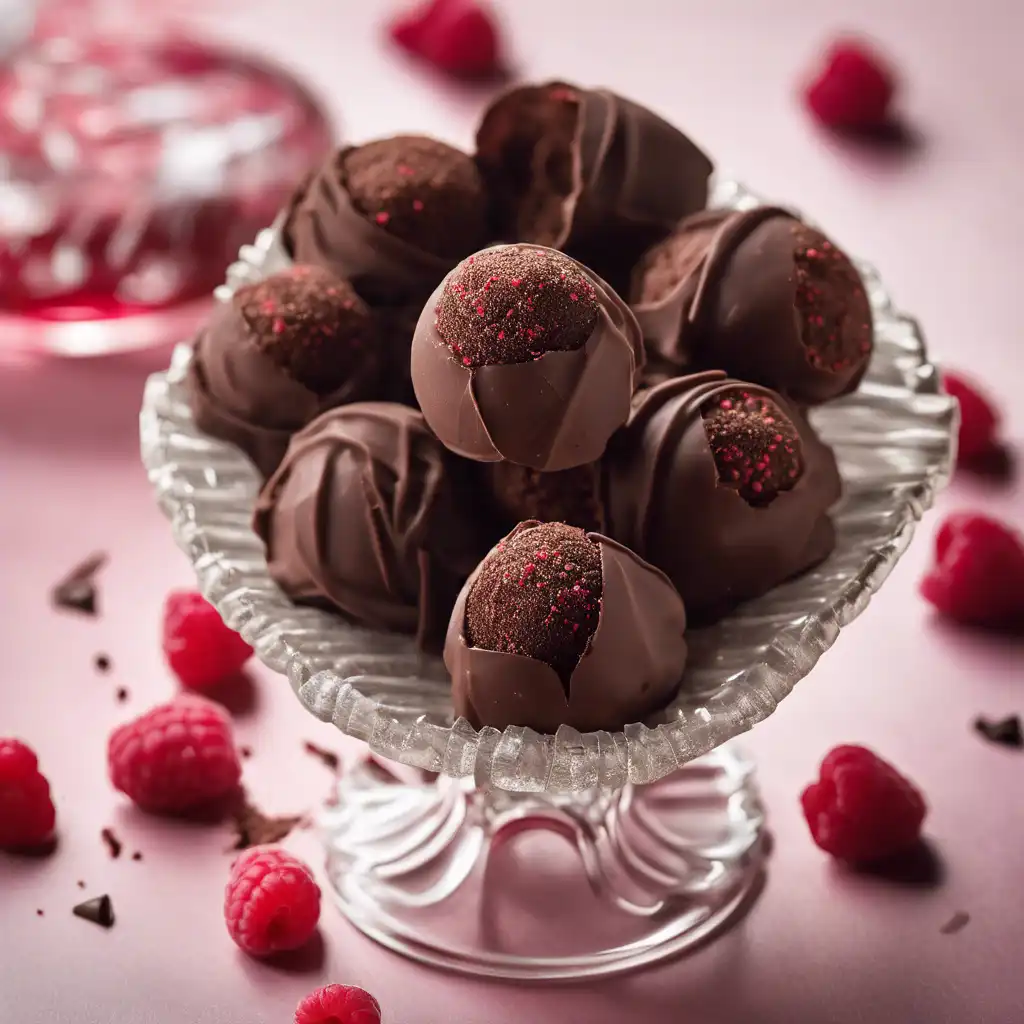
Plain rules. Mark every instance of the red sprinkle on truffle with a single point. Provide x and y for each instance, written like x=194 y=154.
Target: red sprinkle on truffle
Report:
x=514 y=303
x=756 y=446
x=538 y=594
x=309 y=322
x=831 y=303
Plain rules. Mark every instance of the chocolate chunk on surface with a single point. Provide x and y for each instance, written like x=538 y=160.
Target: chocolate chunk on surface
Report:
x=98 y=911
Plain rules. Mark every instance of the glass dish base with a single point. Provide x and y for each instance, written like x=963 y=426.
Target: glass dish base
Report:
x=465 y=878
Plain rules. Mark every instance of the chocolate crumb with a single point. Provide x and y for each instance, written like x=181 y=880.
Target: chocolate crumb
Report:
x=39 y=913
x=254 y=828
x=80 y=884
x=114 y=844
x=1006 y=731
x=137 y=855
x=102 y=662
x=99 y=911
x=246 y=752
x=121 y=694
x=328 y=757
x=957 y=923
x=77 y=590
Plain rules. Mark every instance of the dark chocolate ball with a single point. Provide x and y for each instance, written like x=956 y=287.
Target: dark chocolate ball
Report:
x=759 y=294
x=514 y=303
x=311 y=324
x=421 y=190
x=538 y=594
x=278 y=354
x=570 y=496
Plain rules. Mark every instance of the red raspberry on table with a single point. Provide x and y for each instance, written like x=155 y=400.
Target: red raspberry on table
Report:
x=853 y=90
x=272 y=902
x=978 y=575
x=338 y=1004
x=457 y=36
x=200 y=648
x=175 y=757
x=27 y=814
x=979 y=421
x=861 y=809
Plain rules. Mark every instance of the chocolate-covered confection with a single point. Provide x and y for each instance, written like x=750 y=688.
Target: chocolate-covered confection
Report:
x=562 y=627
x=366 y=513
x=724 y=486
x=522 y=354
x=587 y=171
x=392 y=216
x=761 y=295
x=570 y=496
x=278 y=354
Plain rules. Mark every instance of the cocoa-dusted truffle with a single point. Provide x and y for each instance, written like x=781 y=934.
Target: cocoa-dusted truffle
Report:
x=724 y=486
x=562 y=627
x=570 y=496
x=279 y=353
x=761 y=295
x=522 y=354
x=366 y=514
x=393 y=216
x=587 y=171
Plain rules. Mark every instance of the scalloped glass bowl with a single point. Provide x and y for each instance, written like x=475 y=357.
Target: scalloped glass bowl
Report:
x=894 y=440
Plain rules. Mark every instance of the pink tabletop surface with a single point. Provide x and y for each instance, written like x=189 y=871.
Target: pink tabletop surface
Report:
x=942 y=222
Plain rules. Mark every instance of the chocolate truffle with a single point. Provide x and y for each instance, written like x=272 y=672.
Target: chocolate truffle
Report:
x=366 y=514
x=567 y=496
x=761 y=295
x=724 y=486
x=587 y=171
x=522 y=354
x=392 y=216
x=278 y=354
x=562 y=627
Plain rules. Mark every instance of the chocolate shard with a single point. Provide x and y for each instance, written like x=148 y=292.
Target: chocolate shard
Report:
x=254 y=828
x=957 y=923
x=99 y=911
x=113 y=844
x=1006 y=731
x=327 y=757
x=77 y=590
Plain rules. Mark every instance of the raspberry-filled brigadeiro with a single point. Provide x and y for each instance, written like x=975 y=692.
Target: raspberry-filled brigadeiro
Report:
x=558 y=626
x=367 y=515
x=587 y=171
x=761 y=295
x=522 y=354
x=393 y=216
x=279 y=353
x=724 y=486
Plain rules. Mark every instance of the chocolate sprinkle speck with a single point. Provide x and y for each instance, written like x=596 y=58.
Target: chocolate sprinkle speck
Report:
x=956 y=923
x=39 y=913
x=99 y=911
x=114 y=844
x=254 y=828
x=328 y=757
x=1006 y=731
x=246 y=752
x=102 y=662
x=80 y=884
x=137 y=855
x=77 y=590
x=121 y=694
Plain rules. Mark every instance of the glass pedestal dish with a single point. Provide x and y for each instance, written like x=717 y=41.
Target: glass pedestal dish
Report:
x=660 y=822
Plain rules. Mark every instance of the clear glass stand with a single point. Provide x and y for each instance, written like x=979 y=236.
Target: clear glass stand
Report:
x=431 y=867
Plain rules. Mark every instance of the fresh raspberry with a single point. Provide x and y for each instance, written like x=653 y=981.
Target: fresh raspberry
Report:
x=272 y=902
x=338 y=1004
x=979 y=421
x=26 y=810
x=861 y=809
x=175 y=757
x=853 y=90
x=201 y=650
x=978 y=576
x=457 y=36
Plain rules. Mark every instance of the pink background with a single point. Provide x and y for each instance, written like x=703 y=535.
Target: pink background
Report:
x=942 y=222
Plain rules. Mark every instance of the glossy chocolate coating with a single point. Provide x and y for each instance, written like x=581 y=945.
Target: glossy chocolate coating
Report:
x=550 y=413
x=367 y=513
x=733 y=301
x=587 y=171
x=665 y=501
x=632 y=666
x=240 y=393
